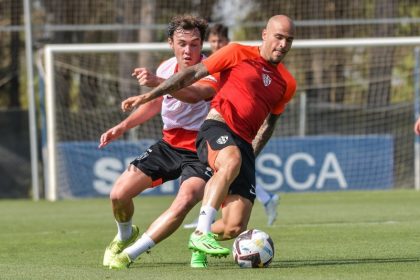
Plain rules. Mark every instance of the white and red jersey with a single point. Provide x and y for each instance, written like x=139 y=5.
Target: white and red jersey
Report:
x=181 y=121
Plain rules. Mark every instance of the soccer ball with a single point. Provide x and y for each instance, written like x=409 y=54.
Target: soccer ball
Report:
x=253 y=248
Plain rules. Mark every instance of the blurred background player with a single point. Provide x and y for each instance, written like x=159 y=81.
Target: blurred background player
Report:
x=217 y=36
x=239 y=124
x=171 y=157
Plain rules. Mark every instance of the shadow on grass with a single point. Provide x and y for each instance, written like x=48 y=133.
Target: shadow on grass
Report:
x=303 y=263
x=287 y=264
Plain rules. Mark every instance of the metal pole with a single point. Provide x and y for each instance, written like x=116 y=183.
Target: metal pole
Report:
x=416 y=115
x=31 y=100
x=302 y=114
x=51 y=181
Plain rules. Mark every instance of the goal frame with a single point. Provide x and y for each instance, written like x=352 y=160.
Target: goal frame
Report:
x=52 y=49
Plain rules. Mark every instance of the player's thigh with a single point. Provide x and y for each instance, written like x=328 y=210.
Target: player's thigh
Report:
x=230 y=158
x=130 y=183
x=216 y=146
x=236 y=212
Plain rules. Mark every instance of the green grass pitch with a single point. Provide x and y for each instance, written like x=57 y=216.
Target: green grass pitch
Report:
x=336 y=235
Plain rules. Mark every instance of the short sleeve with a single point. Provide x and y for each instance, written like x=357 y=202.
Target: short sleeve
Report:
x=210 y=80
x=229 y=56
x=289 y=93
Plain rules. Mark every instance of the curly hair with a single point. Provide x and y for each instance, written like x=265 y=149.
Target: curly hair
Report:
x=187 y=22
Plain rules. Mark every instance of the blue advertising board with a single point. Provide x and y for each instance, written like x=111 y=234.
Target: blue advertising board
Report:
x=326 y=163
x=292 y=164
x=86 y=171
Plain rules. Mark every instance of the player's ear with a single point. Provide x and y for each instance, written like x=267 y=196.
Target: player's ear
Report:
x=264 y=34
x=171 y=43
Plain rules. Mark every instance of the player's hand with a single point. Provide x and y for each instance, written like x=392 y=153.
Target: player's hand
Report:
x=134 y=101
x=110 y=135
x=146 y=77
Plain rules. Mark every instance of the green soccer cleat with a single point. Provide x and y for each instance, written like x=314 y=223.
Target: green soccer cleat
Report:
x=207 y=243
x=116 y=246
x=198 y=260
x=120 y=261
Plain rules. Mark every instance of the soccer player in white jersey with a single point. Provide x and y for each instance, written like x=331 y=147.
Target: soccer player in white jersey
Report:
x=217 y=36
x=171 y=157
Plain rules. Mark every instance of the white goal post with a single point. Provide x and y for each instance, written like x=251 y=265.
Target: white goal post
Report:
x=50 y=51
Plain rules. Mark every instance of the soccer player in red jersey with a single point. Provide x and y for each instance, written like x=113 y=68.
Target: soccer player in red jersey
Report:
x=217 y=36
x=254 y=90
x=171 y=157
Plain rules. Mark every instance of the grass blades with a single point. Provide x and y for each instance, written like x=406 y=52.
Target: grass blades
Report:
x=335 y=235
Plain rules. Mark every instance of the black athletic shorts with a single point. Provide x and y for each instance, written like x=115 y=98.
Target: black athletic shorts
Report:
x=164 y=163
x=217 y=135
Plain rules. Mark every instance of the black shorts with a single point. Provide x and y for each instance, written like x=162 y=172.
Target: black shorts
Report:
x=217 y=135
x=164 y=163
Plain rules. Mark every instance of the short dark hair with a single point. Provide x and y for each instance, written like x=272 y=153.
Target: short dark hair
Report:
x=217 y=29
x=187 y=22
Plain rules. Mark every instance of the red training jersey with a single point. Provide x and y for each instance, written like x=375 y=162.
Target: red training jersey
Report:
x=250 y=88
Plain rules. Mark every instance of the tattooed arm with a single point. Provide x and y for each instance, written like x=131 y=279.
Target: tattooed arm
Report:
x=176 y=82
x=264 y=133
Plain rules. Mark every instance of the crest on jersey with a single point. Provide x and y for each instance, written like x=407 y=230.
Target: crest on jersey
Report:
x=222 y=140
x=266 y=79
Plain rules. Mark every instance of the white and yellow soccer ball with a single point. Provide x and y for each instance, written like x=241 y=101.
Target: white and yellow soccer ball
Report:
x=253 y=248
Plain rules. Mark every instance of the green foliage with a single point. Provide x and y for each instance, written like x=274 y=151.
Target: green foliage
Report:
x=403 y=84
x=340 y=235
x=129 y=13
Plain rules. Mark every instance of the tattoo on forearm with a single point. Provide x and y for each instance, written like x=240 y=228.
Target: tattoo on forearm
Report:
x=179 y=81
x=261 y=139
x=264 y=134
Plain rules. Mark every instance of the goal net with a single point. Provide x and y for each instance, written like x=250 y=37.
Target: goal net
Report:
x=348 y=127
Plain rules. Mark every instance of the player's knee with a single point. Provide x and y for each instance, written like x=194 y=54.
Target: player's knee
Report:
x=118 y=193
x=116 y=196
